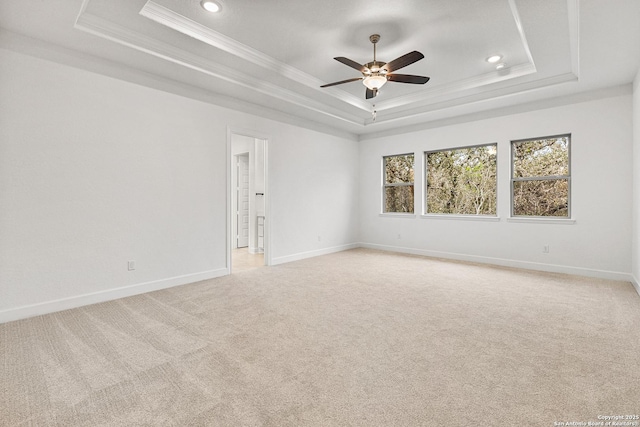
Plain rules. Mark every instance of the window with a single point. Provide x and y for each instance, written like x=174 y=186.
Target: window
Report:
x=398 y=183
x=461 y=181
x=541 y=179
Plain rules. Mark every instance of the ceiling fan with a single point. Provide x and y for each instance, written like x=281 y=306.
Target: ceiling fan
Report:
x=376 y=73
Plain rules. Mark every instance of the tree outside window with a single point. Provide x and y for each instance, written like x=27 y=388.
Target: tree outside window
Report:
x=461 y=181
x=398 y=183
x=541 y=180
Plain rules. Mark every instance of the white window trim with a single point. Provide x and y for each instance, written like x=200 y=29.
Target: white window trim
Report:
x=407 y=215
x=541 y=219
x=469 y=217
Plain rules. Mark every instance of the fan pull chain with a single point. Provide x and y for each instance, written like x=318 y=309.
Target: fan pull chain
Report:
x=374 y=113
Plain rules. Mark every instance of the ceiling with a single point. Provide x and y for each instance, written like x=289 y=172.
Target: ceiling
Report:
x=271 y=57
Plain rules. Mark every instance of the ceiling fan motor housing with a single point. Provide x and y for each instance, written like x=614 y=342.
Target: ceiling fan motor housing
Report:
x=374 y=67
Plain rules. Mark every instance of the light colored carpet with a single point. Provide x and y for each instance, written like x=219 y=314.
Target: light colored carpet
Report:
x=362 y=338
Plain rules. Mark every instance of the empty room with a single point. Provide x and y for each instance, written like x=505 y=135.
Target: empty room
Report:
x=342 y=213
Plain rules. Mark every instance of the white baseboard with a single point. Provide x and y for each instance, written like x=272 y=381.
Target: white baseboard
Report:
x=635 y=284
x=47 y=307
x=527 y=265
x=106 y=295
x=311 y=254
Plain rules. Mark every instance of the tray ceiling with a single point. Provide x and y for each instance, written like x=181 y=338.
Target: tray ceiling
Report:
x=276 y=55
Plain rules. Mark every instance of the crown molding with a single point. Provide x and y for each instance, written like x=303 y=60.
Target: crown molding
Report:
x=573 y=8
x=184 y=25
x=447 y=91
x=439 y=93
x=523 y=37
x=488 y=96
x=47 y=51
x=438 y=96
x=116 y=33
x=487 y=87
x=500 y=111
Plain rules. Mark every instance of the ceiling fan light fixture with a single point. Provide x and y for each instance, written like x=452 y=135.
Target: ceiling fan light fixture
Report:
x=374 y=82
x=210 y=6
x=500 y=66
x=375 y=74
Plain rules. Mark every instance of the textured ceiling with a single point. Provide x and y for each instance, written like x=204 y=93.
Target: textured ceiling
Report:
x=276 y=54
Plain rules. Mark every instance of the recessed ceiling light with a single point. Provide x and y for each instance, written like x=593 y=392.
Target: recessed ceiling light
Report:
x=210 y=6
x=494 y=58
x=500 y=66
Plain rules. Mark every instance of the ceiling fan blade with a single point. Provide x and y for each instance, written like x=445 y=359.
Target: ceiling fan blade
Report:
x=403 y=61
x=350 y=63
x=407 y=78
x=371 y=93
x=343 y=81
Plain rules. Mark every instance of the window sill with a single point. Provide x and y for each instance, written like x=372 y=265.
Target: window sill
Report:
x=398 y=215
x=531 y=220
x=462 y=217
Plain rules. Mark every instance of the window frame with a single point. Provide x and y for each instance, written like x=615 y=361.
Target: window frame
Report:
x=397 y=184
x=425 y=210
x=513 y=180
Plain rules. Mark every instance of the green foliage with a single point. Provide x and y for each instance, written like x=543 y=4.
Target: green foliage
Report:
x=399 y=199
x=542 y=157
x=462 y=181
x=541 y=198
x=541 y=170
x=398 y=176
x=398 y=169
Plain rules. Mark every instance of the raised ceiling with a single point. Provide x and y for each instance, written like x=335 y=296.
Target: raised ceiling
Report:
x=274 y=55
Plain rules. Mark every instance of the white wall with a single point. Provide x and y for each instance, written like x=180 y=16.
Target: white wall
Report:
x=96 y=171
x=636 y=183
x=599 y=243
x=317 y=205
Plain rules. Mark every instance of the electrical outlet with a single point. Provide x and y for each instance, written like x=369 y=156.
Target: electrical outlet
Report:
x=131 y=265
x=545 y=249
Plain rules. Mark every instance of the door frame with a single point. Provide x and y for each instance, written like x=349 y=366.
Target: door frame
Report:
x=267 y=199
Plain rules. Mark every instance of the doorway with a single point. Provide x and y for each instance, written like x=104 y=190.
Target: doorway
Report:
x=248 y=221
x=242 y=201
